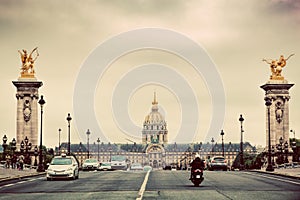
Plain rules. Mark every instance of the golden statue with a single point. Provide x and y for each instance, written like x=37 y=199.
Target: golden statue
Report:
x=276 y=67
x=27 y=69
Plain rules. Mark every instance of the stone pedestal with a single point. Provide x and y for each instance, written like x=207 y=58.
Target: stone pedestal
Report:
x=27 y=109
x=278 y=91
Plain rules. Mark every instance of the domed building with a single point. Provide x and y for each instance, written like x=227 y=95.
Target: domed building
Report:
x=154 y=126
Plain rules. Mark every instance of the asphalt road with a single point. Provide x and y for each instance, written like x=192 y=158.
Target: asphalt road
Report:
x=160 y=185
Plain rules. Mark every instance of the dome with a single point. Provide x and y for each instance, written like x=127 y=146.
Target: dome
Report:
x=154 y=117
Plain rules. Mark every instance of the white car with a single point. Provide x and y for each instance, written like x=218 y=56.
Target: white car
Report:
x=136 y=166
x=63 y=167
x=90 y=164
x=105 y=166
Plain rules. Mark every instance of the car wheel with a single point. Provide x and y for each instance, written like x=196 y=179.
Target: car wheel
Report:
x=48 y=179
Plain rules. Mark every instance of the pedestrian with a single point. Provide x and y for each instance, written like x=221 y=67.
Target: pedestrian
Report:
x=21 y=162
x=13 y=161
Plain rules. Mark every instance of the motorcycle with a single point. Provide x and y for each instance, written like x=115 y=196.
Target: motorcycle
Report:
x=197 y=177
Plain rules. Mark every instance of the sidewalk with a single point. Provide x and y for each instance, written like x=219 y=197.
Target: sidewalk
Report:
x=288 y=172
x=7 y=174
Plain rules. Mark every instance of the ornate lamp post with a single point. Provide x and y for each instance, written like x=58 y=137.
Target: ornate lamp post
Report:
x=88 y=145
x=98 y=141
x=268 y=103
x=212 y=146
x=35 y=155
x=286 y=151
x=222 y=134
x=13 y=148
x=4 y=145
x=280 y=149
x=27 y=148
x=22 y=147
x=294 y=146
x=41 y=165
x=69 y=118
x=241 y=119
x=59 y=131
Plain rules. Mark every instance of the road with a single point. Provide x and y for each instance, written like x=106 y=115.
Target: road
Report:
x=160 y=185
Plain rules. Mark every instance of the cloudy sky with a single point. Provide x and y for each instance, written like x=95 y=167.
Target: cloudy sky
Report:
x=236 y=35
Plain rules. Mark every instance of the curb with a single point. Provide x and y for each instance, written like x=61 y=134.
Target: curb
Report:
x=277 y=174
x=21 y=177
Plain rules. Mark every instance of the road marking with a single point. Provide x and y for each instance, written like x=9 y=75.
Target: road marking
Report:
x=288 y=181
x=143 y=187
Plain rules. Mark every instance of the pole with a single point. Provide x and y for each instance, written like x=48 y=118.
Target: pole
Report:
x=269 y=166
x=41 y=165
x=59 y=130
x=241 y=119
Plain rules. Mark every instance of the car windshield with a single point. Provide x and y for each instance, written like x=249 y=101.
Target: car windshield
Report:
x=61 y=161
x=105 y=164
x=90 y=161
x=219 y=159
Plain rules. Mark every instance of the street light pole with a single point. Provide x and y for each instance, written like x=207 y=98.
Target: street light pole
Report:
x=88 y=145
x=69 y=118
x=4 y=145
x=212 y=146
x=241 y=119
x=222 y=134
x=268 y=104
x=294 y=147
x=98 y=141
x=59 y=130
x=41 y=165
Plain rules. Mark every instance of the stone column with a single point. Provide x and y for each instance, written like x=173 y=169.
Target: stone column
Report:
x=278 y=91
x=27 y=109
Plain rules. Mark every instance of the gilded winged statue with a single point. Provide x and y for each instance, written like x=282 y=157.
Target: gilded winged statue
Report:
x=27 y=68
x=276 y=67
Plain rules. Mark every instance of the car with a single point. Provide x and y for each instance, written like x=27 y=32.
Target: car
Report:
x=105 y=166
x=63 y=167
x=90 y=164
x=136 y=166
x=217 y=162
x=147 y=168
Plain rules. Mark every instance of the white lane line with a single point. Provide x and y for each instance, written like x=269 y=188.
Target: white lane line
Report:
x=270 y=177
x=143 y=187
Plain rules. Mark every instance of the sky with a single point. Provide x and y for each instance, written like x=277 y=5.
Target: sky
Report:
x=234 y=35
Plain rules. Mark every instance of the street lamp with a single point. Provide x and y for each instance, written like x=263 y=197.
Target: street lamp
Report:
x=13 y=148
x=212 y=146
x=268 y=103
x=98 y=141
x=69 y=118
x=222 y=134
x=4 y=145
x=286 y=151
x=280 y=148
x=41 y=165
x=88 y=145
x=27 y=148
x=59 y=130
x=241 y=119
x=35 y=155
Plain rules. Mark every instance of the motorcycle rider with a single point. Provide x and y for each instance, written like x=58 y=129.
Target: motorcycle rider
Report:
x=197 y=163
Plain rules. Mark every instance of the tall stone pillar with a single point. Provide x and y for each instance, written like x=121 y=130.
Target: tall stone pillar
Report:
x=278 y=91
x=27 y=109
x=27 y=99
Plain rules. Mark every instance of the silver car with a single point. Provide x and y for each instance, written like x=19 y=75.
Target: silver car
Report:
x=217 y=162
x=63 y=167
